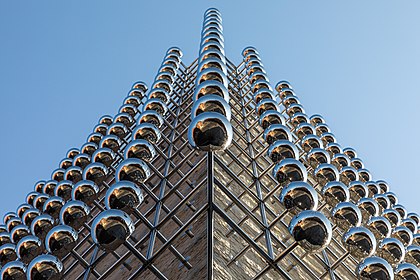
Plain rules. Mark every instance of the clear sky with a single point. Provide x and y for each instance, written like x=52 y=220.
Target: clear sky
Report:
x=64 y=64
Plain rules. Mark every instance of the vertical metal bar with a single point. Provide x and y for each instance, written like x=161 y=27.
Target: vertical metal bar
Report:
x=210 y=214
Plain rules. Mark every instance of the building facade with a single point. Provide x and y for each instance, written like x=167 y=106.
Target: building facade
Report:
x=211 y=174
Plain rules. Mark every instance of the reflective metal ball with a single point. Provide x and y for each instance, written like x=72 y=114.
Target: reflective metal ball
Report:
x=298 y=196
x=359 y=242
x=373 y=268
x=28 y=248
x=60 y=240
x=74 y=213
x=289 y=170
x=45 y=267
x=133 y=170
x=123 y=195
x=86 y=191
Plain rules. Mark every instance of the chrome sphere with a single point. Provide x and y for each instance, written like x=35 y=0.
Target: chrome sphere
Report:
x=327 y=138
x=8 y=216
x=123 y=195
x=298 y=196
x=298 y=118
x=111 y=228
x=392 y=250
x=4 y=238
x=383 y=185
x=133 y=100
x=311 y=230
x=95 y=172
x=106 y=156
x=317 y=156
x=53 y=205
x=28 y=248
x=373 y=188
x=316 y=119
x=123 y=118
x=380 y=227
x=157 y=105
x=407 y=271
x=94 y=137
x=294 y=108
x=38 y=187
x=263 y=94
x=211 y=103
x=41 y=225
x=267 y=105
x=282 y=149
x=160 y=93
x=19 y=232
x=133 y=170
x=382 y=201
x=63 y=189
x=403 y=234
x=45 y=267
x=357 y=190
x=271 y=117
x=151 y=116
x=414 y=216
x=335 y=192
x=350 y=152
x=374 y=268
x=289 y=100
x=86 y=191
x=89 y=148
x=72 y=153
x=359 y=242
x=416 y=239
x=106 y=119
x=147 y=131
x=129 y=109
x=289 y=170
x=60 y=240
x=210 y=131
x=112 y=142
x=30 y=215
x=357 y=163
x=277 y=132
x=412 y=255
x=14 y=270
x=310 y=142
x=7 y=253
x=368 y=207
x=74 y=213
x=73 y=174
x=81 y=160
x=12 y=223
x=346 y=215
x=340 y=160
x=39 y=201
x=348 y=174
x=333 y=148
x=140 y=149
x=364 y=175
x=101 y=128
x=22 y=209
x=118 y=129
x=284 y=92
x=400 y=209
x=66 y=163
x=304 y=129
x=392 y=216
x=321 y=128
x=3 y=228
x=326 y=173
x=211 y=87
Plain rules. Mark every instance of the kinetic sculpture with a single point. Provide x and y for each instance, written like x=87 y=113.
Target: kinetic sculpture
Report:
x=211 y=175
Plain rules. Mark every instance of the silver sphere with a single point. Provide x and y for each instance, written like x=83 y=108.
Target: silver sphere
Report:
x=364 y=175
x=38 y=187
x=125 y=119
x=304 y=129
x=267 y=105
x=73 y=174
x=14 y=270
x=118 y=129
x=312 y=230
x=53 y=205
x=60 y=240
x=5 y=238
x=316 y=119
x=271 y=117
x=39 y=201
x=326 y=173
x=81 y=160
x=289 y=170
x=348 y=174
x=317 y=156
x=95 y=172
x=359 y=242
x=310 y=142
x=63 y=189
x=41 y=225
x=393 y=217
x=333 y=148
x=368 y=207
x=382 y=201
x=89 y=148
x=152 y=117
x=19 y=232
x=12 y=223
x=140 y=149
x=374 y=268
x=412 y=255
x=7 y=253
x=157 y=105
x=22 y=209
x=383 y=185
x=210 y=131
x=373 y=188
x=74 y=213
x=392 y=250
x=45 y=267
x=410 y=224
x=403 y=234
x=299 y=196
x=211 y=103
x=407 y=271
x=147 y=131
x=357 y=163
x=298 y=118
x=106 y=119
x=277 y=132
x=112 y=142
x=133 y=170
x=335 y=192
x=123 y=195
x=30 y=215
x=28 y=248
x=346 y=215
x=86 y=191
x=111 y=228
x=400 y=209
x=282 y=149
x=357 y=190
x=106 y=156
x=380 y=227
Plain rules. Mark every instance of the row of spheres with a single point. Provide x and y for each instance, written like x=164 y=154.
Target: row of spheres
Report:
x=210 y=128
x=58 y=208
x=310 y=228
x=337 y=172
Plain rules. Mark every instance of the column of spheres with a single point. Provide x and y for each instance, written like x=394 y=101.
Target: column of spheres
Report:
x=54 y=213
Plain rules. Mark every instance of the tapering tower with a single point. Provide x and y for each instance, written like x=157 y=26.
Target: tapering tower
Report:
x=211 y=174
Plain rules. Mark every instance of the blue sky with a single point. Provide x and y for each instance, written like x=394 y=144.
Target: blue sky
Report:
x=65 y=64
